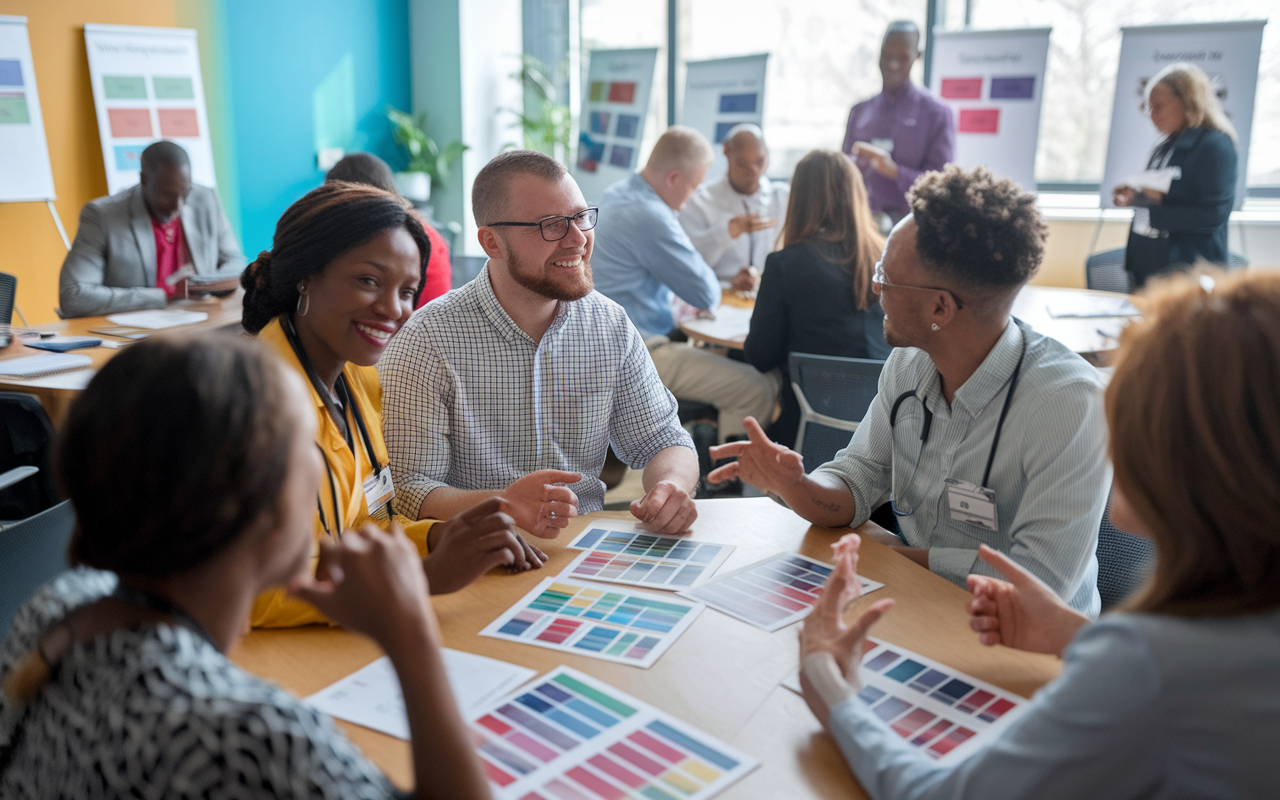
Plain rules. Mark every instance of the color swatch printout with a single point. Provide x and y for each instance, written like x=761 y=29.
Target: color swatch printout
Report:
x=622 y=625
x=644 y=559
x=770 y=594
x=946 y=714
x=567 y=736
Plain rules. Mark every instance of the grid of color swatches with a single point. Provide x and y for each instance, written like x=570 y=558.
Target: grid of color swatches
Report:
x=567 y=736
x=770 y=594
x=643 y=559
x=623 y=625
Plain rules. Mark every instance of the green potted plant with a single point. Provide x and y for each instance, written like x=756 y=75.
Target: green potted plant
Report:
x=546 y=124
x=428 y=164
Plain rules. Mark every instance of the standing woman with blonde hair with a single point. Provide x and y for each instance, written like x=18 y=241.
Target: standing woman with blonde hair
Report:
x=815 y=295
x=1189 y=221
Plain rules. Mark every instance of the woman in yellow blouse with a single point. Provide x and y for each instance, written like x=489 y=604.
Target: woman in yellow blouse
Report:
x=344 y=273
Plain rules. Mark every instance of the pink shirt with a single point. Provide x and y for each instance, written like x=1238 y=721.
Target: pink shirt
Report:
x=171 y=252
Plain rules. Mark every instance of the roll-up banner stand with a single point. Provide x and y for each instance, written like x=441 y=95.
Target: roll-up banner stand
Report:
x=1227 y=51
x=615 y=106
x=147 y=87
x=25 y=172
x=721 y=93
x=993 y=81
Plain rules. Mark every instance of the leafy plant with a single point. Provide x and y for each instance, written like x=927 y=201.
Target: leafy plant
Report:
x=546 y=124
x=423 y=152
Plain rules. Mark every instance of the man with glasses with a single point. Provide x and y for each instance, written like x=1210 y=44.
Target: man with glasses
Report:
x=517 y=384
x=644 y=258
x=983 y=431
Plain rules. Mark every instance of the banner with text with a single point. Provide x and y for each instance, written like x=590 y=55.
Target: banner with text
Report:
x=721 y=93
x=25 y=171
x=993 y=81
x=147 y=87
x=614 y=110
x=1227 y=51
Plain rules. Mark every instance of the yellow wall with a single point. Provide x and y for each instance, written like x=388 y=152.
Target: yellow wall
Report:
x=29 y=244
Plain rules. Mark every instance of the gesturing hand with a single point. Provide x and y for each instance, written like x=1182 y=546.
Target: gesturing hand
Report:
x=1123 y=196
x=748 y=223
x=539 y=505
x=1022 y=612
x=878 y=157
x=747 y=279
x=762 y=463
x=474 y=542
x=824 y=629
x=373 y=584
x=666 y=508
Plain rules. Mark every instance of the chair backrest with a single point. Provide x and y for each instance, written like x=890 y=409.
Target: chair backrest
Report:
x=31 y=553
x=1124 y=561
x=465 y=268
x=1105 y=272
x=25 y=437
x=834 y=395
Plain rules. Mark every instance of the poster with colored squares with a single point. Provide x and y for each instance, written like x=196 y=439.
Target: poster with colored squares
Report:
x=644 y=559
x=615 y=107
x=770 y=594
x=622 y=625
x=944 y=713
x=568 y=736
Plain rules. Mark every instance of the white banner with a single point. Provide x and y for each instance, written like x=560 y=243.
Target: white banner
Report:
x=1227 y=51
x=993 y=81
x=25 y=172
x=615 y=105
x=721 y=93
x=147 y=87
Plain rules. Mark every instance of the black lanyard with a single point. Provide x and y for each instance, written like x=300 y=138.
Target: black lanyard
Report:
x=344 y=391
x=928 y=422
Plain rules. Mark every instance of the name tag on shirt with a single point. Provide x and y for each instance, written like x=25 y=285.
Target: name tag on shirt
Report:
x=884 y=144
x=378 y=491
x=972 y=504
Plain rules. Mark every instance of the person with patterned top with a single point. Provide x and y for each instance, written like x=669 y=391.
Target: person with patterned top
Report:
x=114 y=675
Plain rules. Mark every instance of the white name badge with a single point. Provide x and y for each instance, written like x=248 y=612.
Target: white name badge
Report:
x=972 y=504
x=884 y=144
x=378 y=491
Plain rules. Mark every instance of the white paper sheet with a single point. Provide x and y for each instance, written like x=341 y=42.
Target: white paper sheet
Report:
x=371 y=696
x=36 y=366
x=157 y=319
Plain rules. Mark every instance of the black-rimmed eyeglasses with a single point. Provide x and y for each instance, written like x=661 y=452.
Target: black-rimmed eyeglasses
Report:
x=556 y=228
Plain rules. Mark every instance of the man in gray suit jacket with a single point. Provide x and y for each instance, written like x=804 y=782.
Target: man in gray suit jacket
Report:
x=112 y=265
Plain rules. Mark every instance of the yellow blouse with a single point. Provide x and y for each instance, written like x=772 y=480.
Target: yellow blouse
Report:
x=275 y=608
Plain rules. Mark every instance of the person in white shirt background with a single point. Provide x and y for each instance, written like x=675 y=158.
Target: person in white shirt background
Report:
x=735 y=220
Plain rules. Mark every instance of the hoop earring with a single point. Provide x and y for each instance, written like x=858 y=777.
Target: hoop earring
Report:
x=304 y=305
x=935 y=326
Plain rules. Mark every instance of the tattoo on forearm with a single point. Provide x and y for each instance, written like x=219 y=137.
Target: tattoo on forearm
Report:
x=828 y=506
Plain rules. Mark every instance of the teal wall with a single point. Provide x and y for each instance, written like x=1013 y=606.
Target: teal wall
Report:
x=299 y=75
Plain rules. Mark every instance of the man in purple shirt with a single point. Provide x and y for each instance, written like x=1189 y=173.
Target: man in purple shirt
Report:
x=901 y=132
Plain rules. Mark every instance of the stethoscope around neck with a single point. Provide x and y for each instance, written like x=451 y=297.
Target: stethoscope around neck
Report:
x=344 y=392
x=928 y=424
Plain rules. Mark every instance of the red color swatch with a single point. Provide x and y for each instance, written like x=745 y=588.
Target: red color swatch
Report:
x=979 y=120
x=961 y=88
x=622 y=92
x=595 y=784
x=496 y=775
x=178 y=122
x=129 y=122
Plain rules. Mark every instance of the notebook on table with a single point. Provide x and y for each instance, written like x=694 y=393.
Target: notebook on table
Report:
x=42 y=365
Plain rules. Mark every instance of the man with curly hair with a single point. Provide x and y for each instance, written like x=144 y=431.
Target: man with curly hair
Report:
x=983 y=431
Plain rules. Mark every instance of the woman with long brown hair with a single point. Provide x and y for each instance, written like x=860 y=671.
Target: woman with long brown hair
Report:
x=815 y=294
x=1174 y=695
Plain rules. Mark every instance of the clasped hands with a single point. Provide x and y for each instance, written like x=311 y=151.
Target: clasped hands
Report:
x=1125 y=196
x=878 y=157
x=542 y=505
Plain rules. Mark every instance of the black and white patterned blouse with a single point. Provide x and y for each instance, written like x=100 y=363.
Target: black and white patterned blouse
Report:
x=158 y=712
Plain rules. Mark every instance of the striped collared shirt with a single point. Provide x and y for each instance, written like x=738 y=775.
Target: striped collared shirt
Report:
x=1051 y=474
x=472 y=401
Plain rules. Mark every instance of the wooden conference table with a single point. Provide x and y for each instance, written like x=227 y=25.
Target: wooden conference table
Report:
x=57 y=391
x=721 y=675
x=1091 y=337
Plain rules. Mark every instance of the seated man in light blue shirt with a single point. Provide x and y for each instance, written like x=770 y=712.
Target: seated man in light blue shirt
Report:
x=983 y=430
x=643 y=256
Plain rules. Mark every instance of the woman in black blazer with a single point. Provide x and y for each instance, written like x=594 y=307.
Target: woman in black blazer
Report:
x=815 y=294
x=1189 y=222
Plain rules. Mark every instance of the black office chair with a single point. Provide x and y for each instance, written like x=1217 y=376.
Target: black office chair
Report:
x=1105 y=271
x=834 y=395
x=32 y=552
x=25 y=437
x=1124 y=561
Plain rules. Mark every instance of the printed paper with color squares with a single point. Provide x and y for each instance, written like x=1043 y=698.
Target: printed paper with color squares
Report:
x=622 y=625
x=770 y=594
x=945 y=713
x=645 y=559
x=567 y=736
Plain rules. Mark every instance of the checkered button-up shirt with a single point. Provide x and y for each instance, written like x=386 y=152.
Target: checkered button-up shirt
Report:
x=472 y=401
